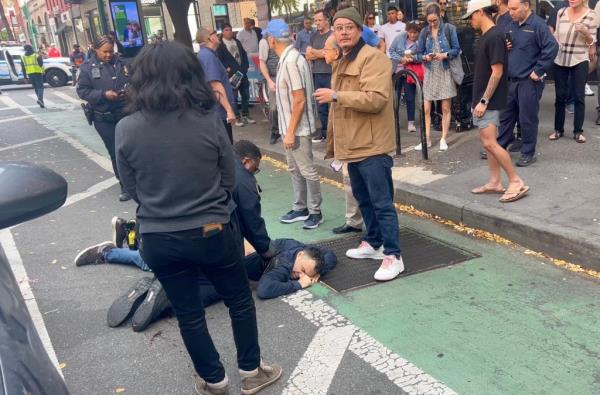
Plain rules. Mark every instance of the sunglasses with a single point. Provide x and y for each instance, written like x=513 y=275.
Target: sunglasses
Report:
x=370 y=17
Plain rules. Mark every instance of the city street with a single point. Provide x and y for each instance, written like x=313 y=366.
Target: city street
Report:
x=504 y=321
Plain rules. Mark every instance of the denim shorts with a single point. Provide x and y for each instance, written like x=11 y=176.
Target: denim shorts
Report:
x=489 y=117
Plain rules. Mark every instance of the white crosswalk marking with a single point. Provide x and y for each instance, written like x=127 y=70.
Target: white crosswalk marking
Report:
x=66 y=97
x=9 y=102
x=15 y=118
x=46 y=101
x=28 y=142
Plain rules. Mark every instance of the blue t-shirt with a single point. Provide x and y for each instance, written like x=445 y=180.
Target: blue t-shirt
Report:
x=215 y=71
x=369 y=36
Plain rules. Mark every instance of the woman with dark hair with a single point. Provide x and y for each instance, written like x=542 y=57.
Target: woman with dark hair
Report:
x=176 y=161
x=102 y=81
x=370 y=22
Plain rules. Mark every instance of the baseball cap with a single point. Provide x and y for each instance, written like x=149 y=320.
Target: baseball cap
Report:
x=476 y=5
x=277 y=28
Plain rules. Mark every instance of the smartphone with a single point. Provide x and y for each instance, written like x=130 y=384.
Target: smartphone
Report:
x=508 y=38
x=336 y=165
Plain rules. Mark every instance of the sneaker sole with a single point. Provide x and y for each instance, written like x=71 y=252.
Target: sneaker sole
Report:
x=147 y=313
x=312 y=226
x=291 y=221
x=88 y=250
x=387 y=279
x=124 y=306
x=257 y=389
x=113 y=224
x=365 y=256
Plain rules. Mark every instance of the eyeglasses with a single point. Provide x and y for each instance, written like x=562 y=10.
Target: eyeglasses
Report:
x=345 y=28
x=444 y=3
x=432 y=20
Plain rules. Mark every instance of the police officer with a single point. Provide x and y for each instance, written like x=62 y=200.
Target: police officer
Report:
x=34 y=71
x=102 y=81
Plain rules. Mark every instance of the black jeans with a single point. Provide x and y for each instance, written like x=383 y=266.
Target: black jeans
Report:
x=575 y=87
x=106 y=130
x=179 y=259
x=322 y=81
x=37 y=81
x=244 y=91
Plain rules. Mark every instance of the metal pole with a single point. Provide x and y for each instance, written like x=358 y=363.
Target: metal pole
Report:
x=102 y=15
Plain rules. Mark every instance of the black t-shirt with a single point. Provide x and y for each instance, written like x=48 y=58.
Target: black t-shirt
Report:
x=490 y=50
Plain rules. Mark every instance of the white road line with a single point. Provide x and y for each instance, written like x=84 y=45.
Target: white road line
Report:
x=28 y=142
x=315 y=371
x=401 y=372
x=15 y=118
x=16 y=264
x=66 y=97
x=94 y=189
x=46 y=101
x=10 y=103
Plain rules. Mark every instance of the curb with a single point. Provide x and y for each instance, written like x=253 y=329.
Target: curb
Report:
x=557 y=241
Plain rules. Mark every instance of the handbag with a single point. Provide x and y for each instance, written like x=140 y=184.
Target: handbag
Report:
x=416 y=68
x=456 y=67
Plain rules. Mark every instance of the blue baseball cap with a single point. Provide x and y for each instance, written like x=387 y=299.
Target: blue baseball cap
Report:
x=277 y=28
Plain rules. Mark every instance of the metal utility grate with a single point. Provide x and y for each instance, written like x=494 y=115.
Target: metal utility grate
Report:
x=419 y=252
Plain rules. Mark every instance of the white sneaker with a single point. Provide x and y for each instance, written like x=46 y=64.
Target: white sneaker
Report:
x=248 y=120
x=365 y=251
x=588 y=90
x=239 y=122
x=390 y=268
x=411 y=127
x=443 y=145
x=420 y=147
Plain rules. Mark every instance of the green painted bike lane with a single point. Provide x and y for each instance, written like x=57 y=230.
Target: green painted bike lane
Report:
x=504 y=323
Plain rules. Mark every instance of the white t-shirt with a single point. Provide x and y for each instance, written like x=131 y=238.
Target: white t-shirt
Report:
x=249 y=40
x=389 y=32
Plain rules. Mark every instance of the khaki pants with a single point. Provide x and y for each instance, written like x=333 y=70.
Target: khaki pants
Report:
x=353 y=216
x=305 y=178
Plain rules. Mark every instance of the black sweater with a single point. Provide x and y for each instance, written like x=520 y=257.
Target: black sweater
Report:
x=179 y=169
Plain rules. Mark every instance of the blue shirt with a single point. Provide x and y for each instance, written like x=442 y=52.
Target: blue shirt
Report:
x=303 y=40
x=369 y=36
x=504 y=21
x=215 y=71
x=533 y=48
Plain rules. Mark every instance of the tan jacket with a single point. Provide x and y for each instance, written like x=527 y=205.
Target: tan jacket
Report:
x=361 y=123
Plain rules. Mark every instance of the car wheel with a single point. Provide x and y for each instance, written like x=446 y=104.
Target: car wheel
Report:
x=56 y=78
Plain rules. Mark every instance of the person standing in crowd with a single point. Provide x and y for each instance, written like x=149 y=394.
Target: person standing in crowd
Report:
x=320 y=69
x=368 y=35
x=444 y=10
x=575 y=32
x=53 y=52
x=77 y=57
x=531 y=52
x=503 y=18
x=294 y=87
x=303 y=36
x=438 y=43
x=216 y=76
x=490 y=87
x=370 y=22
x=362 y=134
x=268 y=62
x=33 y=70
x=394 y=26
x=249 y=37
x=234 y=58
x=187 y=228
x=102 y=81
x=403 y=52
x=119 y=48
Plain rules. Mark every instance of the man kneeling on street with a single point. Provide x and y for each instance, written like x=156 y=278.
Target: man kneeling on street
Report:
x=280 y=266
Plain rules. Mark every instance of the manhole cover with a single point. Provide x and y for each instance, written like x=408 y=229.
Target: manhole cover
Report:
x=419 y=252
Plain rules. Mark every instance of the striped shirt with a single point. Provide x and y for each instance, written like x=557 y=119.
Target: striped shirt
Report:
x=294 y=73
x=572 y=48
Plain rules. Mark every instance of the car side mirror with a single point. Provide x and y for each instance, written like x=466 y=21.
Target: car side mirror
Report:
x=28 y=191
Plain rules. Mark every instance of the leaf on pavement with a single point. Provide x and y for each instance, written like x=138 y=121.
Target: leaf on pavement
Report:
x=62 y=365
x=119 y=390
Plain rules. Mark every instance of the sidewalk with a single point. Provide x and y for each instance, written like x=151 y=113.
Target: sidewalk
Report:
x=560 y=216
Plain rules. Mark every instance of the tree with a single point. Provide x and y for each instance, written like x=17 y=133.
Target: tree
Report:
x=178 y=9
x=9 y=31
x=288 y=6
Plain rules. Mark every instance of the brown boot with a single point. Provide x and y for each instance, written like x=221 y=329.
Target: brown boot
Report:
x=202 y=388
x=262 y=377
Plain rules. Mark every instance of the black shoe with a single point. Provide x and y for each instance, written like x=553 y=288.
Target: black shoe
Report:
x=40 y=103
x=93 y=255
x=598 y=120
x=119 y=233
x=525 y=160
x=155 y=303
x=274 y=138
x=340 y=230
x=125 y=305
x=515 y=146
x=483 y=154
x=124 y=196
x=313 y=221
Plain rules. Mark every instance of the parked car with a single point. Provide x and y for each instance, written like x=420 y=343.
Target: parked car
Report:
x=26 y=192
x=58 y=70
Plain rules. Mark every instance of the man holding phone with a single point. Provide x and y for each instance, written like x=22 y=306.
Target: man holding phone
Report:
x=531 y=52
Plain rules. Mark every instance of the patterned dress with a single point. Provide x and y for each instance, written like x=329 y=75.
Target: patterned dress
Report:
x=438 y=83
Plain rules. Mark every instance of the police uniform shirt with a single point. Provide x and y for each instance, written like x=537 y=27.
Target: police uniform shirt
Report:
x=95 y=78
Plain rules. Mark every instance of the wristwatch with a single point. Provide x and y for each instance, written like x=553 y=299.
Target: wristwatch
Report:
x=484 y=101
x=334 y=97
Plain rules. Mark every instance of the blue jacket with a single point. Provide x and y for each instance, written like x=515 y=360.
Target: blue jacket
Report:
x=247 y=198
x=398 y=48
x=276 y=280
x=425 y=43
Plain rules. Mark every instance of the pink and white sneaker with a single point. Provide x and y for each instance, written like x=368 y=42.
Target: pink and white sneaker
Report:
x=365 y=251
x=390 y=268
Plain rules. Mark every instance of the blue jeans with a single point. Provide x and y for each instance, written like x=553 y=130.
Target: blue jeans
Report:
x=373 y=188
x=410 y=91
x=322 y=81
x=37 y=81
x=126 y=256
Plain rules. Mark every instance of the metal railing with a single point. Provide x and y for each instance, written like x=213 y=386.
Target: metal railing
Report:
x=403 y=74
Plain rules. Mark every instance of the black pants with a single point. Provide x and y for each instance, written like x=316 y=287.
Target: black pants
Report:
x=229 y=130
x=244 y=91
x=106 y=130
x=179 y=259
x=37 y=81
x=570 y=81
